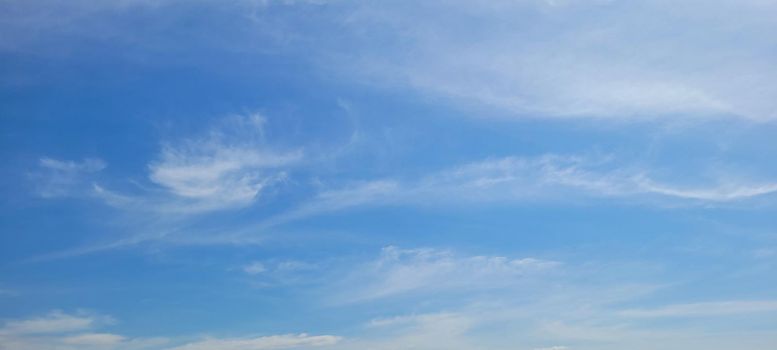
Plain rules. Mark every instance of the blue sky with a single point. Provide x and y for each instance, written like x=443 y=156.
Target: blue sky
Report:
x=459 y=175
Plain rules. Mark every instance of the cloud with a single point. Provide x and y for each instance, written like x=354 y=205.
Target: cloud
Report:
x=287 y=341
x=60 y=178
x=523 y=303
x=402 y=271
x=362 y=193
x=59 y=330
x=555 y=175
x=254 y=268
x=227 y=168
x=284 y=273
x=425 y=331
x=723 y=193
x=605 y=59
x=531 y=58
x=705 y=309
x=94 y=339
x=518 y=323
x=87 y=165
x=63 y=331
x=278 y=267
x=54 y=322
x=198 y=180
x=543 y=178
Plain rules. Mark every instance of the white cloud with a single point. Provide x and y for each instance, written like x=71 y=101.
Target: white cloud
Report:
x=526 y=179
x=63 y=331
x=294 y=265
x=94 y=339
x=551 y=175
x=296 y=341
x=611 y=59
x=227 y=168
x=434 y=331
x=553 y=316
x=602 y=58
x=58 y=178
x=364 y=193
x=87 y=165
x=54 y=322
x=400 y=271
x=705 y=309
x=254 y=268
x=278 y=267
x=722 y=193
x=284 y=273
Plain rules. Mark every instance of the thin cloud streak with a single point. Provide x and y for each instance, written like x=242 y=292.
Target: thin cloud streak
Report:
x=296 y=341
x=405 y=271
x=59 y=330
x=521 y=179
x=64 y=178
x=706 y=309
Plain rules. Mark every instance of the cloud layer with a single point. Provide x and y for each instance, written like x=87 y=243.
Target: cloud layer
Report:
x=603 y=59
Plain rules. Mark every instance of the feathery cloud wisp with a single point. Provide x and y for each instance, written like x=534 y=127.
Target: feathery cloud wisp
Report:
x=402 y=271
x=525 y=179
x=60 y=178
x=296 y=341
x=229 y=167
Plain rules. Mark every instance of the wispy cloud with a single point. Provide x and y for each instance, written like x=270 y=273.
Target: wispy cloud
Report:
x=546 y=319
x=527 y=304
x=94 y=339
x=284 y=273
x=296 y=341
x=54 y=322
x=431 y=331
x=229 y=167
x=606 y=59
x=546 y=178
x=401 y=271
x=59 y=330
x=705 y=309
x=226 y=167
x=722 y=193
x=60 y=178
x=254 y=268
x=284 y=266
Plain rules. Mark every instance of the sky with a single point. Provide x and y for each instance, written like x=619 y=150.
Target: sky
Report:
x=388 y=175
